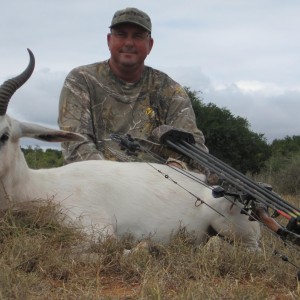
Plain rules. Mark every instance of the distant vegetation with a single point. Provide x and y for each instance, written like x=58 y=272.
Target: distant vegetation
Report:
x=282 y=169
x=37 y=158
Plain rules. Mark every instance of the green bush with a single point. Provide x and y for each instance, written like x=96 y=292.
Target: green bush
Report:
x=285 y=175
x=37 y=158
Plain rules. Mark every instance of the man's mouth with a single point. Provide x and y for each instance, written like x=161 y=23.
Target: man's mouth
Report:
x=128 y=51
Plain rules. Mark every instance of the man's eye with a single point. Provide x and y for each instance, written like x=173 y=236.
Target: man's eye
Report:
x=120 y=34
x=139 y=36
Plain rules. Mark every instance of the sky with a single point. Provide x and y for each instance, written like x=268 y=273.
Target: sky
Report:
x=242 y=55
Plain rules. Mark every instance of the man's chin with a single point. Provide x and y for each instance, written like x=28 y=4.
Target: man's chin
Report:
x=128 y=63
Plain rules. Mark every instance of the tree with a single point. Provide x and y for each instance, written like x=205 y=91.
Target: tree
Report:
x=282 y=168
x=37 y=158
x=286 y=147
x=228 y=137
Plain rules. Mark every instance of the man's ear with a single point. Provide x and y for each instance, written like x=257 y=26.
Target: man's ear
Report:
x=108 y=37
x=151 y=43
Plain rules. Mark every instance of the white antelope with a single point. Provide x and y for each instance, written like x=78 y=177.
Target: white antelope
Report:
x=114 y=197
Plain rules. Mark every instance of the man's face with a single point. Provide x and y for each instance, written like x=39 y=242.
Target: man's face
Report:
x=129 y=45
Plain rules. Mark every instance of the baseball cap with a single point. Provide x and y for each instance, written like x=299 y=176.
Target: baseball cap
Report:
x=131 y=15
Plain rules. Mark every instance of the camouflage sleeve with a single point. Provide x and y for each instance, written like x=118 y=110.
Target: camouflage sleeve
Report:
x=180 y=114
x=75 y=115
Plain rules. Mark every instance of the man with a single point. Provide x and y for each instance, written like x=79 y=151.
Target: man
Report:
x=123 y=96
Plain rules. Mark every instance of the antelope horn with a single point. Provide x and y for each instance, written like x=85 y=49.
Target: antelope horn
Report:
x=8 y=88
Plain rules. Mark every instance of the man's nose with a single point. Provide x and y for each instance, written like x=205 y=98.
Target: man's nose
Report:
x=129 y=40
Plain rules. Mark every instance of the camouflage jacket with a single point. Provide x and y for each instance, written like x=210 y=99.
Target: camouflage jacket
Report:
x=96 y=104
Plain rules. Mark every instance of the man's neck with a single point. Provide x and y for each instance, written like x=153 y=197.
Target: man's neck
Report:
x=129 y=75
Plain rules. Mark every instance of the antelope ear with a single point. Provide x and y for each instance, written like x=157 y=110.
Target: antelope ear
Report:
x=48 y=134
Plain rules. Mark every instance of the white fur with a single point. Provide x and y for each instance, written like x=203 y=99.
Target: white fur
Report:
x=116 y=197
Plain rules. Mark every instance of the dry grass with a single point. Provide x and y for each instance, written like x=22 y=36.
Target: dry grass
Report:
x=37 y=261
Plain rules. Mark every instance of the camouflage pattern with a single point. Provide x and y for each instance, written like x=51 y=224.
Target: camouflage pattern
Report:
x=96 y=104
x=132 y=15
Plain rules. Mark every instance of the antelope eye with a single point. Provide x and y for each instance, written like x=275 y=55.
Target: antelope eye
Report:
x=4 y=137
